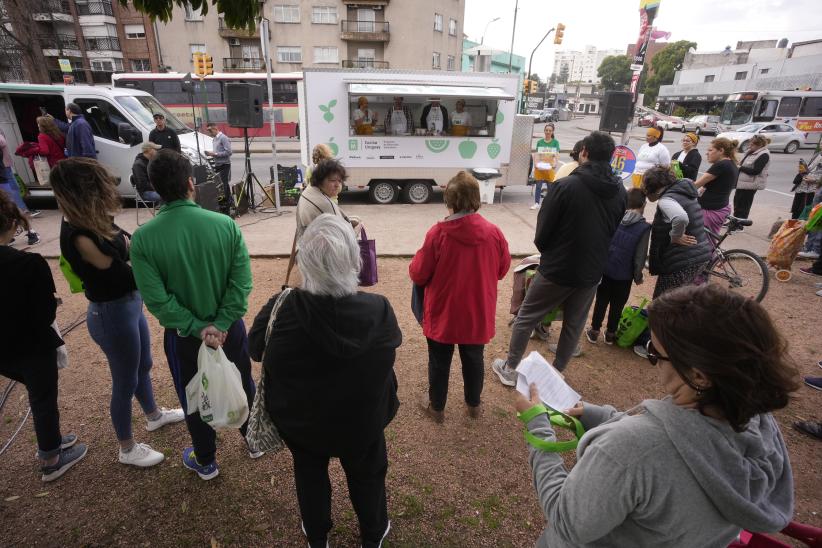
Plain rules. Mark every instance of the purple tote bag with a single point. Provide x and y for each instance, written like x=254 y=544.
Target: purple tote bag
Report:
x=368 y=252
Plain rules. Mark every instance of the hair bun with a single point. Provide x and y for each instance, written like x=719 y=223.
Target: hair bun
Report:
x=735 y=143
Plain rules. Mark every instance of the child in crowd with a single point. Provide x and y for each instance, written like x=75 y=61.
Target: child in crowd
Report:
x=626 y=259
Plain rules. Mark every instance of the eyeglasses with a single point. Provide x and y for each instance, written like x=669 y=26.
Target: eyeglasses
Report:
x=654 y=356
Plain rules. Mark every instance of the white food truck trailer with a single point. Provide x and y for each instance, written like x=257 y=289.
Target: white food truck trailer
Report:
x=392 y=160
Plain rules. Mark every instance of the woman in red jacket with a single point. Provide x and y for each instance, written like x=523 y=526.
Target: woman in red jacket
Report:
x=51 y=144
x=459 y=265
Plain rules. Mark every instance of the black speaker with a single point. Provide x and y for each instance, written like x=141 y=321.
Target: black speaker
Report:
x=200 y=173
x=244 y=103
x=206 y=196
x=616 y=111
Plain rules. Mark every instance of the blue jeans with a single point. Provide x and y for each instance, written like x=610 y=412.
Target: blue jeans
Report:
x=151 y=196
x=538 y=191
x=120 y=329
x=8 y=182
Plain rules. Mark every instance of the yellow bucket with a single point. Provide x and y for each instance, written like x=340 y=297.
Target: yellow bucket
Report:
x=459 y=131
x=636 y=179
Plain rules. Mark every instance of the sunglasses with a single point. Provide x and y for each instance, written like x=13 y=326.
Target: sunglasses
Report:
x=654 y=356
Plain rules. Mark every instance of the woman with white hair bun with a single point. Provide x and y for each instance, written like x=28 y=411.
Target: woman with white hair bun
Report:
x=329 y=379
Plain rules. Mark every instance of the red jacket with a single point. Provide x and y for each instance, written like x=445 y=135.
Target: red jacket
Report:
x=459 y=265
x=46 y=147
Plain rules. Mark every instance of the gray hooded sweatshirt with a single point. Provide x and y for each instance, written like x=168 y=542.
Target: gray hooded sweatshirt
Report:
x=662 y=475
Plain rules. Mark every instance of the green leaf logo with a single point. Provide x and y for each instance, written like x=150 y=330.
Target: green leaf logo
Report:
x=436 y=145
x=328 y=116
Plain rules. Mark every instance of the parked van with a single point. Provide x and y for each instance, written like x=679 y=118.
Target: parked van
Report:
x=120 y=119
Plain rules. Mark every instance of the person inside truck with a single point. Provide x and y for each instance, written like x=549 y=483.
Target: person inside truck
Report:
x=364 y=118
x=434 y=118
x=460 y=119
x=398 y=119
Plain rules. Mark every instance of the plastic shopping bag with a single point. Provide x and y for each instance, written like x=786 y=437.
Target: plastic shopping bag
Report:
x=814 y=223
x=633 y=322
x=786 y=243
x=216 y=390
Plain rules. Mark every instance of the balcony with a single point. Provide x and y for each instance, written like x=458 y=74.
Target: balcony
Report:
x=95 y=8
x=59 y=42
x=13 y=74
x=103 y=43
x=364 y=63
x=366 y=2
x=226 y=32
x=365 y=31
x=240 y=64
x=52 y=10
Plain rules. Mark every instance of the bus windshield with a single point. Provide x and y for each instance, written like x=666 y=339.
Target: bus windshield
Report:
x=736 y=112
x=144 y=107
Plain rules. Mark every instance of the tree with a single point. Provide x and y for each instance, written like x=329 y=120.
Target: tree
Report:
x=535 y=77
x=665 y=65
x=237 y=14
x=615 y=72
x=20 y=50
x=563 y=74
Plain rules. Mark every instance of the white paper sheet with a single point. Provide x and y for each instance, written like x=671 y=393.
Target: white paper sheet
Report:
x=553 y=390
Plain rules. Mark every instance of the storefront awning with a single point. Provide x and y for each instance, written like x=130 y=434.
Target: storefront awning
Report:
x=422 y=90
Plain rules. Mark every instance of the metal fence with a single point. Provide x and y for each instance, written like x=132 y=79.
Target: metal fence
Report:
x=95 y=8
x=364 y=63
x=110 y=43
x=239 y=64
x=58 y=41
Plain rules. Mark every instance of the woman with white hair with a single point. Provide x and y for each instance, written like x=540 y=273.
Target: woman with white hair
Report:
x=330 y=383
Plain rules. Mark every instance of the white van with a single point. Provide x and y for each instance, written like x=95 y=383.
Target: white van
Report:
x=106 y=110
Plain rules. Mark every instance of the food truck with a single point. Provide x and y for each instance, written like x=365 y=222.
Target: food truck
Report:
x=401 y=133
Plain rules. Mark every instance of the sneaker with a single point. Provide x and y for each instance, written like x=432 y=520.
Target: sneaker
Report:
x=535 y=206
x=812 y=428
x=809 y=271
x=610 y=338
x=507 y=376
x=68 y=458
x=540 y=333
x=641 y=350
x=808 y=255
x=141 y=455
x=592 y=335
x=34 y=213
x=254 y=454
x=167 y=416
x=34 y=238
x=819 y=363
x=475 y=411
x=436 y=416
x=577 y=351
x=302 y=526
x=207 y=472
x=67 y=441
x=814 y=382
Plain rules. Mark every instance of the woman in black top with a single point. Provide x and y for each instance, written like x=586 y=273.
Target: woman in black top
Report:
x=97 y=250
x=689 y=157
x=718 y=182
x=30 y=343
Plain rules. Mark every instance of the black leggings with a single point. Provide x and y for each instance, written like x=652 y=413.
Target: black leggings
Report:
x=439 y=369
x=801 y=200
x=612 y=295
x=743 y=199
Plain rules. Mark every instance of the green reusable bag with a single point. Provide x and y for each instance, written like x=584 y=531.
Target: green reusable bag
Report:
x=631 y=325
x=676 y=168
x=74 y=281
x=814 y=223
x=559 y=420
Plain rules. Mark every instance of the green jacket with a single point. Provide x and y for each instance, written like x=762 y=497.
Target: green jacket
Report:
x=192 y=268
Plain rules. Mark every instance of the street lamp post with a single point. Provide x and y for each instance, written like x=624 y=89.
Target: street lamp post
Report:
x=513 y=32
x=482 y=39
x=530 y=59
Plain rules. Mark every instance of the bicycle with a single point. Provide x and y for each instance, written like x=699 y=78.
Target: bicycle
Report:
x=744 y=271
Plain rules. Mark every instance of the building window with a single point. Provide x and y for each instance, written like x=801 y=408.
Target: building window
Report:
x=452 y=27
x=438 y=22
x=192 y=14
x=741 y=75
x=324 y=15
x=134 y=32
x=451 y=62
x=324 y=54
x=286 y=14
x=435 y=62
x=197 y=48
x=709 y=78
x=289 y=54
x=106 y=65
x=764 y=71
x=366 y=20
x=140 y=65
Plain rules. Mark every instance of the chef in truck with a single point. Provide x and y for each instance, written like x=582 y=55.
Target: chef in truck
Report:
x=434 y=118
x=460 y=119
x=398 y=119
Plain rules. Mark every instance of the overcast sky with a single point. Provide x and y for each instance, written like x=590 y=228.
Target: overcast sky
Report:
x=712 y=24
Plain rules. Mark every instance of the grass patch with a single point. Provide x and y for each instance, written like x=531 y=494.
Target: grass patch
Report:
x=489 y=510
x=412 y=507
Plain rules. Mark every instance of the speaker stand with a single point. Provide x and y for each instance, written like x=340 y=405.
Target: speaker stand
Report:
x=249 y=179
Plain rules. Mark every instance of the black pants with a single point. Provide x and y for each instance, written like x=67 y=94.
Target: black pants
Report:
x=39 y=375
x=611 y=294
x=801 y=200
x=181 y=353
x=743 y=199
x=816 y=267
x=365 y=474
x=224 y=171
x=439 y=369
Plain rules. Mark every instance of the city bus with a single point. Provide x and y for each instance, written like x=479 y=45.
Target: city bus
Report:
x=209 y=98
x=800 y=109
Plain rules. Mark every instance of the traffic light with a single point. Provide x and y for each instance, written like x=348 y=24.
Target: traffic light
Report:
x=203 y=64
x=526 y=86
x=558 y=33
x=534 y=88
x=208 y=63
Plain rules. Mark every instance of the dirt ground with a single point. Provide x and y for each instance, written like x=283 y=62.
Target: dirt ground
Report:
x=464 y=483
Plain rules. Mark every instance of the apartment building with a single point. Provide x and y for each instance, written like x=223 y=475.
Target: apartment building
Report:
x=582 y=66
x=396 y=34
x=97 y=37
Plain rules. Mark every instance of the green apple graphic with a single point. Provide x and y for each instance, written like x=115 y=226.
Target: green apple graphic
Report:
x=500 y=117
x=493 y=149
x=328 y=116
x=333 y=146
x=467 y=149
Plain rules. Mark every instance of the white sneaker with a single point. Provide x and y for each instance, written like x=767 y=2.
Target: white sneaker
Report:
x=535 y=206
x=577 y=351
x=507 y=376
x=540 y=333
x=808 y=255
x=141 y=455
x=167 y=416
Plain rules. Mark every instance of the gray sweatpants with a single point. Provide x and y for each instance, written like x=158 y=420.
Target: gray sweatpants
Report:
x=542 y=297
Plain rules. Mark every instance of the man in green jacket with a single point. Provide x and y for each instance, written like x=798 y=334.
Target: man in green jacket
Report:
x=193 y=271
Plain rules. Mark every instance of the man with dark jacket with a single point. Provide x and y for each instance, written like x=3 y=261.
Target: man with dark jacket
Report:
x=164 y=135
x=139 y=172
x=576 y=221
x=79 y=136
x=434 y=118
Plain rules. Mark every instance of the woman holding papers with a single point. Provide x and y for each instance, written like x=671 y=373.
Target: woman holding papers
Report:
x=695 y=467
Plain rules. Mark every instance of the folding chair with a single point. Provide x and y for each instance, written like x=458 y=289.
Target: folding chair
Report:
x=138 y=201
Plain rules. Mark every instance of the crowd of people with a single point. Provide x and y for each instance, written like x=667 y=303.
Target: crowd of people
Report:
x=328 y=350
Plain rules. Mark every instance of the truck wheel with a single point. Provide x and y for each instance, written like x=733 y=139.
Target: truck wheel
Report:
x=416 y=192
x=383 y=192
x=792 y=147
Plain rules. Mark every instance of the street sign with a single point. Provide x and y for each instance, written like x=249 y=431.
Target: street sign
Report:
x=65 y=65
x=623 y=161
x=636 y=68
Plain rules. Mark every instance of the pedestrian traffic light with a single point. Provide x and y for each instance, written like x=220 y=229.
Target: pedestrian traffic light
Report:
x=526 y=86
x=558 y=33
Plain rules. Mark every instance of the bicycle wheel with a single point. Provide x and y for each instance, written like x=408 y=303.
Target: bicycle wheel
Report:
x=740 y=271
